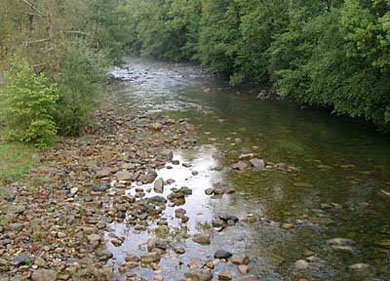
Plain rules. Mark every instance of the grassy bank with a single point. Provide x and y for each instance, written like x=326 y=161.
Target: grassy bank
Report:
x=15 y=160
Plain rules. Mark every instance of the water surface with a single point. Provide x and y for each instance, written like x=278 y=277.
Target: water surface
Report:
x=340 y=162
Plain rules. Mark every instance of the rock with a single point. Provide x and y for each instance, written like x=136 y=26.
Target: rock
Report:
x=199 y=275
x=159 y=185
x=360 y=267
x=158 y=199
x=100 y=187
x=39 y=261
x=240 y=166
x=94 y=237
x=156 y=126
x=162 y=230
x=222 y=254
x=158 y=243
x=21 y=259
x=244 y=269
x=123 y=176
x=130 y=257
x=152 y=257
x=74 y=190
x=362 y=271
x=257 y=164
x=224 y=275
x=345 y=249
x=158 y=278
x=247 y=156
x=179 y=251
x=209 y=191
x=61 y=235
x=203 y=239
x=44 y=275
x=180 y=213
x=239 y=259
x=217 y=222
x=287 y=226
x=103 y=173
x=341 y=242
x=301 y=264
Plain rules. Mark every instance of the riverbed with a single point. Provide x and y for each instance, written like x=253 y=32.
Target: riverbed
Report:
x=326 y=218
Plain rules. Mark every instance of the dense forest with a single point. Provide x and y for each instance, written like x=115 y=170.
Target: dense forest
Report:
x=327 y=53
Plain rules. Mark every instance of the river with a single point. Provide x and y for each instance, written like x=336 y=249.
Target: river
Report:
x=336 y=191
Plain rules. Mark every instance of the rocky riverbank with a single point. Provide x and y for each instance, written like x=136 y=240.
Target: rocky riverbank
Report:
x=56 y=224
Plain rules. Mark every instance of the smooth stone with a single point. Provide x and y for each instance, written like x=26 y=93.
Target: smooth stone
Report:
x=239 y=259
x=301 y=264
x=150 y=257
x=199 y=275
x=222 y=254
x=158 y=199
x=225 y=275
x=203 y=239
x=244 y=269
x=341 y=242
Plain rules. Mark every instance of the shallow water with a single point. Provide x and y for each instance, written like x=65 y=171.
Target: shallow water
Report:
x=339 y=161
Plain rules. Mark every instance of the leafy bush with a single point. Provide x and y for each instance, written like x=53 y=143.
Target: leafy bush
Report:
x=28 y=104
x=81 y=71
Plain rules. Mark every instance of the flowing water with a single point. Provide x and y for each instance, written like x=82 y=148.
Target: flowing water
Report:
x=343 y=167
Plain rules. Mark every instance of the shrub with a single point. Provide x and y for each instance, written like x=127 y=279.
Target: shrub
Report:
x=28 y=103
x=81 y=72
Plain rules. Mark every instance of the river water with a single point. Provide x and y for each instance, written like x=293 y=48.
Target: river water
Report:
x=342 y=168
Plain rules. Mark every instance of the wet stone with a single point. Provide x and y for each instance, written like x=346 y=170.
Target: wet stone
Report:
x=130 y=257
x=199 y=275
x=222 y=254
x=244 y=269
x=150 y=257
x=158 y=199
x=203 y=239
x=104 y=255
x=239 y=259
x=209 y=191
x=225 y=275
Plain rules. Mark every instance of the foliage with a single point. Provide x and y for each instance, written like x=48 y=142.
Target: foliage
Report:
x=329 y=53
x=28 y=105
x=81 y=72
x=67 y=43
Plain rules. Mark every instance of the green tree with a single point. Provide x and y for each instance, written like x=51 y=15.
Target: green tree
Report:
x=28 y=105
